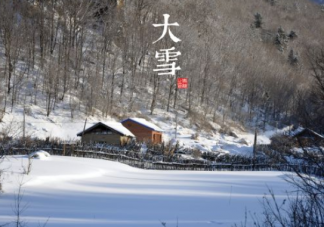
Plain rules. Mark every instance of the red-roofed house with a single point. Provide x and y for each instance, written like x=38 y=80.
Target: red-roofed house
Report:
x=144 y=130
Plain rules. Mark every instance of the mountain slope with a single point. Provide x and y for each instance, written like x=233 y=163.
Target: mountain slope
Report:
x=64 y=61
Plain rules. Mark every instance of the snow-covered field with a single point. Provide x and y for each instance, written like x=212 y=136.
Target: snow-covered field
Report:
x=72 y=191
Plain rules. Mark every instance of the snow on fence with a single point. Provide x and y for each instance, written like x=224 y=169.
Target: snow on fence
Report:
x=149 y=164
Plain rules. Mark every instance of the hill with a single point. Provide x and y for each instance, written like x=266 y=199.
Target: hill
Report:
x=96 y=59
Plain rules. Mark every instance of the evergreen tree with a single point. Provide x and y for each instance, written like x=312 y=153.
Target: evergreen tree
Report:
x=258 y=20
x=282 y=34
x=272 y=2
x=292 y=58
x=280 y=39
x=278 y=43
x=292 y=35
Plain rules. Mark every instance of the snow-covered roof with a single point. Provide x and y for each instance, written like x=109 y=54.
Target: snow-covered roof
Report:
x=119 y=128
x=301 y=130
x=296 y=131
x=145 y=123
x=113 y=125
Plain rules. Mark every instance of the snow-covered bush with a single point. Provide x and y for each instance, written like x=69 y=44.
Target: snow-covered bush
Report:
x=243 y=141
x=195 y=136
x=35 y=155
x=306 y=209
x=39 y=155
x=196 y=153
x=281 y=143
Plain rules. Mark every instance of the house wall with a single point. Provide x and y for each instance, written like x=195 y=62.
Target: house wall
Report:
x=142 y=133
x=156 y=137
x=307 y=141
x=113 y=139
x=307 y=138
x=102 y=134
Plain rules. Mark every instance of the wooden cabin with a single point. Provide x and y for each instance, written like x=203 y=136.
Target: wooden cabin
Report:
x=144 y=130
x=308 y=137
x=113 y=133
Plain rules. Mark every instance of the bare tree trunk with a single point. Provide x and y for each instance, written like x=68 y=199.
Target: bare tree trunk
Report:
x=156 y=88
x=170 y=94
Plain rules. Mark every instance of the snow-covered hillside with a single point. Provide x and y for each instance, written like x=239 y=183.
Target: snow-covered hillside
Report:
x=69 y=191
x=60 y=125
x=65 y=59
x=75 y=67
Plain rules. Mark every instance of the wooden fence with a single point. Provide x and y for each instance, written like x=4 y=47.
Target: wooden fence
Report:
x=149 y=164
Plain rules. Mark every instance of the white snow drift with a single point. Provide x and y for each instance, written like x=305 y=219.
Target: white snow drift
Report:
x=88 y=192
x=39 y=154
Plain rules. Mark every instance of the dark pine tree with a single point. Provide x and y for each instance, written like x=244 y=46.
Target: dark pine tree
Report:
x=292 y=35
x=292 y=58
x=258 y=20
x=272 y=2
x=282 y=34
x=280 y=39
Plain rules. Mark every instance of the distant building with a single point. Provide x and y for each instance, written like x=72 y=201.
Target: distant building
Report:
x=143 y=130
x=308 y=137
x=113 y=133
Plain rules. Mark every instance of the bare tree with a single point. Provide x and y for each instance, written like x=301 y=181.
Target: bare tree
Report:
x=19 y=206
x=306 y=207
x=28 y=168
x=156 y=89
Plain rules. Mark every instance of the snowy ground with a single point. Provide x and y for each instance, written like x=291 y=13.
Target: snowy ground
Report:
x=88 y=192
x=60 y=125
x=211 y=141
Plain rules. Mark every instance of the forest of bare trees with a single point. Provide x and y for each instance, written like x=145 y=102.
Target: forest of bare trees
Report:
x=247 y=61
